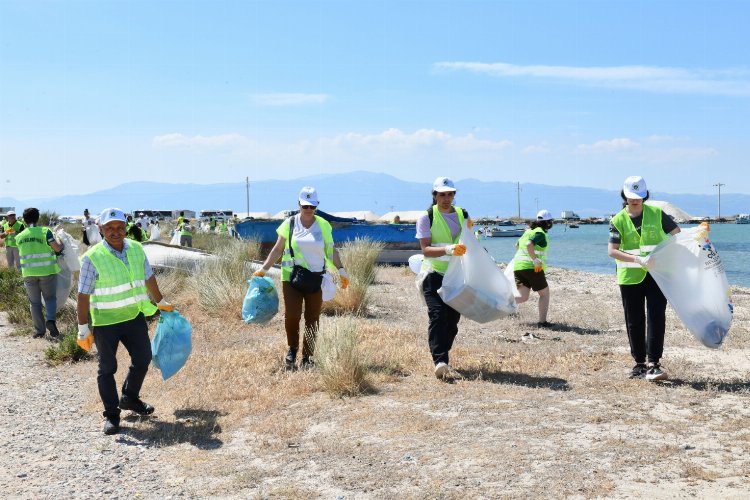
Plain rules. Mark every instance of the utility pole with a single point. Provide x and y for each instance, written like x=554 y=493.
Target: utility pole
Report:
x=247 y=190
x=518 y=190
x=536 y=200
x=718 y=185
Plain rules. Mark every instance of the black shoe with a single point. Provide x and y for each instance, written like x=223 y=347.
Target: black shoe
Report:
x=544 y=324
x=306 y=363
x=38 y=335
x=136 y=405
x=290 y=358
x=52 y=327
x=655 y=372
x=111 y=426
x=639 y=371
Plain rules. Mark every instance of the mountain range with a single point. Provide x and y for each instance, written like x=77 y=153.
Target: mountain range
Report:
x=376 y=192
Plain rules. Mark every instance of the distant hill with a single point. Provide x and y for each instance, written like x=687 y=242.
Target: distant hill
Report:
x=380 y=193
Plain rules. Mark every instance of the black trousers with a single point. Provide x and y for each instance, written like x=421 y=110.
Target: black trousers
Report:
x=133 y=334
x=646 y=326
x=443 y=319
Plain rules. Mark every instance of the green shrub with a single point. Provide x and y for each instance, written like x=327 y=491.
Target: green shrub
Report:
x=13 y=297
x=67 y=350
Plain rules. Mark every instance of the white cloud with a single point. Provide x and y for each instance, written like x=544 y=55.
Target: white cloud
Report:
x=528 y=150
x=729 y=82
x=608 y=146
x=288 y=99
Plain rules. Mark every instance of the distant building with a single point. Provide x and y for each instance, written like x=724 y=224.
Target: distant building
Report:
x=189 y=214
x=219 y=215
x=569 y=215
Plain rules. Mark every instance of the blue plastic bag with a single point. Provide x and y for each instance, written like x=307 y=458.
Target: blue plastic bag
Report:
x=261 y=302
x=172 y=343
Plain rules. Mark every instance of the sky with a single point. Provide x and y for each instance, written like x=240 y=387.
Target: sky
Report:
x=571 y=93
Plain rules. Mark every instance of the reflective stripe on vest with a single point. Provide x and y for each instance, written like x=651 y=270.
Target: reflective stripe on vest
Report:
x=36 y=256
x=299 y=258
x=441 y=237
x=120 y=292
x=522 y=260
x=632 y=243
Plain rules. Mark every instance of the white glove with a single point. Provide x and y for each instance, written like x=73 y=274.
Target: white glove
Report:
x=83 y=332
x=644 y=262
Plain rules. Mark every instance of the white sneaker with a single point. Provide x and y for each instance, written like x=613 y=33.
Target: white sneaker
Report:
x=442 y=369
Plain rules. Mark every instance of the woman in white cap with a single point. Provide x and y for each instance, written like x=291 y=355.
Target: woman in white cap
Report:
x=633 y=234
x=438 y=232
x=530 y=263
x=306 y=242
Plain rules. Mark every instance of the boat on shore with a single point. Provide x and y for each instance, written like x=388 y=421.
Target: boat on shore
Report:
x=504 y=232
x=399 y=239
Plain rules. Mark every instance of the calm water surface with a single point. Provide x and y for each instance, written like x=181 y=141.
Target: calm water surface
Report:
x=585 y=249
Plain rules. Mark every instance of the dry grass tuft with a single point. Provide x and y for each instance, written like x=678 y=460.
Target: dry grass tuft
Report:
x=222 y=284
x=341 y=360
x=358 y=257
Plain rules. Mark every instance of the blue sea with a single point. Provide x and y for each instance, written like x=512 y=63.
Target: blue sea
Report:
x=585 y=249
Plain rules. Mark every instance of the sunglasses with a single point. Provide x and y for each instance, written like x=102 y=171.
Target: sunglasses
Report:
x=447 y=193
x=308 y=207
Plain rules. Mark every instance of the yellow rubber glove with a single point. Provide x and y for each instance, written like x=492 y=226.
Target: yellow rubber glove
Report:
x=85 y=339
x=165 y=306
x=260 y=273
x=344 y=278
x=538 y=265
x=457 y=250
x=469 y=223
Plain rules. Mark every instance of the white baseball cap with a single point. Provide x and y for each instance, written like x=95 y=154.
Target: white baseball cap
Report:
x=443 y=184
x=308 y=196
x=110 y=214
x=11 y=212
x=544 y=215
x=635 y=187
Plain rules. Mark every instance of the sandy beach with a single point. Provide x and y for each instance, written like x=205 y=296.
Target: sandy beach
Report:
x=535 y=412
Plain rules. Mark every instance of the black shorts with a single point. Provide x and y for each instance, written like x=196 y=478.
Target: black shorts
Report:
x=530 y=279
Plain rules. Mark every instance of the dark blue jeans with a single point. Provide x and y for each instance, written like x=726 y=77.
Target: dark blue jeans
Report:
x=443 y=319
x=646 y=326
x=133 y=335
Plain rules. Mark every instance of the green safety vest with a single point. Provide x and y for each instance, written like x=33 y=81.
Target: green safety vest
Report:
x=10 y=239
x=184 y=231
x=630 y=273
x=37 y=257
x=223 y=228
x=120 y=292
x=286 y=259
x=522 y=260
x=441 y=237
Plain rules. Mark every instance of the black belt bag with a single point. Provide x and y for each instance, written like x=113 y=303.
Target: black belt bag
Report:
x=303 y=279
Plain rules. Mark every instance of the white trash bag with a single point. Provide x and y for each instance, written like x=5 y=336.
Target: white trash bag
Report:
x=328 y=287
x=71 y=250
x=175 y=238
x=92 y=232
x=415 y=263
x=689 y=272
x=474 y=286
x=508 y=272
x=155 y=233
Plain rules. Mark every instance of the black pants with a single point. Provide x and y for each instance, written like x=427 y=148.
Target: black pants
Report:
x=443 y=319
x=134 y=336
x=645 y=337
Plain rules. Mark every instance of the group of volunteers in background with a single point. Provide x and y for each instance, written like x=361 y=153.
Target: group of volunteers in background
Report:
x=634 y=232
x=117 y=289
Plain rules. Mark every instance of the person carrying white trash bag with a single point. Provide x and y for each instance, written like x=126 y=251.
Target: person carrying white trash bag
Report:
x=634 y=233
x=457 y=276
x=689 y=271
